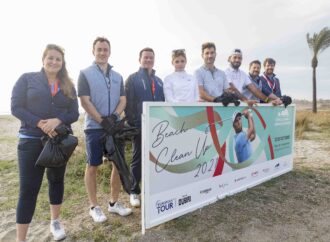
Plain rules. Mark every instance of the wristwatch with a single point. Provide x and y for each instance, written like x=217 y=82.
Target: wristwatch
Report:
x=116 y=114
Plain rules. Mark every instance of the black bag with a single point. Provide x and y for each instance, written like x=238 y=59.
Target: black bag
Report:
x=226 y=98
x=114 y=150
x=57 y=150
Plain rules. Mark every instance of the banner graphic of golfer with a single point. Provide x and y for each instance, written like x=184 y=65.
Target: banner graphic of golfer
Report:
x=196 y=154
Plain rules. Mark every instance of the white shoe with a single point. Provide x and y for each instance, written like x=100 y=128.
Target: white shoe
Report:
x=134 y=200
x=119 y=209
x=97 y=214
x=57 y=230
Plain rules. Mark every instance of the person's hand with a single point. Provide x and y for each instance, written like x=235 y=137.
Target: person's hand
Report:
x=41 y=123
x=246 y=113
x=52 y=134
x=50 y=125
x=251 y=102
x=108 y=123
x=277 y=102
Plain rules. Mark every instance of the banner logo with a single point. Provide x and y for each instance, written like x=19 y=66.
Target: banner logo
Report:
x=163 y=206
x=184 y=200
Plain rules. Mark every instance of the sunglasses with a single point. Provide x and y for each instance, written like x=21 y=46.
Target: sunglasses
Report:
x=178 y=51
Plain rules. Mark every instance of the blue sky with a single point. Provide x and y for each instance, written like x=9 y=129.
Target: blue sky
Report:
x=260 y=28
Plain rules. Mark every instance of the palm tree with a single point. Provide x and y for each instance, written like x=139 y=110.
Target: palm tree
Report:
x=318 y=43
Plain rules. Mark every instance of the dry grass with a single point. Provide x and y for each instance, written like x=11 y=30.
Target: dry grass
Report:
x=309 y=121
x=293 y=207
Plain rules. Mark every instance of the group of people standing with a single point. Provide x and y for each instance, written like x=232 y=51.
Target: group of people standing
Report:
x=45 y=99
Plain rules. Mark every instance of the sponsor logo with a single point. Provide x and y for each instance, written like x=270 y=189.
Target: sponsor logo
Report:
x=240 y=178
x=284 y=113
x=185 y=199
x=223 y=185
x=205 y=191
x=163 y=206
x=254 y=173
x=265 y=170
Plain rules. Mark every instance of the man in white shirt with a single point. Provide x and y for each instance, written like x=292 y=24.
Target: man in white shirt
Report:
x=239 y=80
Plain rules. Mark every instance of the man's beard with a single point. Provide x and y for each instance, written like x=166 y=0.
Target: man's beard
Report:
x=235 y=65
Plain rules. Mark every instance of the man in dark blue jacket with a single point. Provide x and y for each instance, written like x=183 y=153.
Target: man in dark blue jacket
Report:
x=141 y=86
x=270 y=83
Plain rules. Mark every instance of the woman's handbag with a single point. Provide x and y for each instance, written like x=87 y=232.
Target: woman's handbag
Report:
x=57 y=150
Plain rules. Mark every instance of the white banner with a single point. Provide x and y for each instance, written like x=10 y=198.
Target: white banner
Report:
x=193 y=155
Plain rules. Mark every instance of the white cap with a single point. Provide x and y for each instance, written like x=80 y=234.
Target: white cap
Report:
x=236 y=52
x=235 y=114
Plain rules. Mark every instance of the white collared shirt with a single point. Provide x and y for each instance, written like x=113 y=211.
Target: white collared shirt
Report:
x=180 y=87
x=237 y=77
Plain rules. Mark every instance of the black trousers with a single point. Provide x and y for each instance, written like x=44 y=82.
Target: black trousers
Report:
x=136 y=165
x=30 y=179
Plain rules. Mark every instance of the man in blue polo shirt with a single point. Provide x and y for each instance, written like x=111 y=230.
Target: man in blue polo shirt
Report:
x=243 y=147
x=212 y=82
x=102 y=95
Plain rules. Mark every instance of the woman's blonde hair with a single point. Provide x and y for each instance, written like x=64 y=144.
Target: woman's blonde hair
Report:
x=66 y=83
x=177 y=53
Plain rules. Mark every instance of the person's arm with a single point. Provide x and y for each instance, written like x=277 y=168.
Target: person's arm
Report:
x=251 y=133
x=90 y=108
x=18 y=103
x=196 y=91
x=72 y=113
x=168 y=90
x=204 y=95
x=122 y=100
x=130 y=98
x=279 y=88
x=84 y=96
x=241 y=96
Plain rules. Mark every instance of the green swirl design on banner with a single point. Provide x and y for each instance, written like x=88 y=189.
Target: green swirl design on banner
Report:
x=176 y=122
x=195 y=120
x=186 y=166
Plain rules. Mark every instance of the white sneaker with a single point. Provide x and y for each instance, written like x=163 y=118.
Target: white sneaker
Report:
x=97 y=214
x=134 y=200
x=119 y=209
x=57 y=230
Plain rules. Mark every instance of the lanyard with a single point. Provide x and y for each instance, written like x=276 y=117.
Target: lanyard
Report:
x=54 y=87
x=153 y=87
x=272 y=85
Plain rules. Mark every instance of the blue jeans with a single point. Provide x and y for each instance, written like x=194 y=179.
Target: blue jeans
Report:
x=30 y=179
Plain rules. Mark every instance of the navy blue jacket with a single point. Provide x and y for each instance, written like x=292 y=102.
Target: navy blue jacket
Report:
x=138 y=90
x=32 y=101
x=266 y=89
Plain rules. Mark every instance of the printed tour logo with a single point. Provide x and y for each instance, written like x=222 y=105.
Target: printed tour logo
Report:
x=163 y=206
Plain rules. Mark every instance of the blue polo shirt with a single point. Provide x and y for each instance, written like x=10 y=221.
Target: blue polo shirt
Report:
x=243 y=147
x=257 y=83
x=213 y=81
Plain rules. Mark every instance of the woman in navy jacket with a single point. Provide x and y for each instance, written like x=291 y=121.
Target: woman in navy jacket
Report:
x=41 y=101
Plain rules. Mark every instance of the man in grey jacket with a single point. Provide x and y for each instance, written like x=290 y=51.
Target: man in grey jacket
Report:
x=102 y=95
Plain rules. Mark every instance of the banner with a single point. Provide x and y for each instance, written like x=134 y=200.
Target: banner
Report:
x=196 y=154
